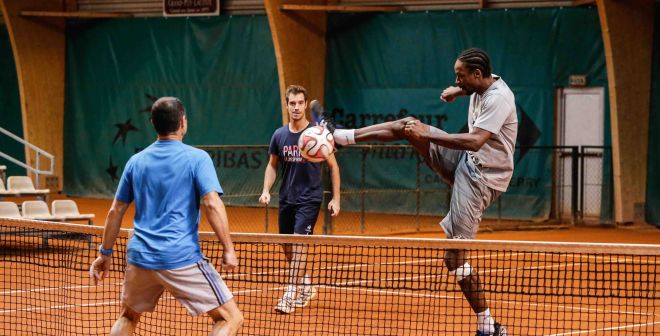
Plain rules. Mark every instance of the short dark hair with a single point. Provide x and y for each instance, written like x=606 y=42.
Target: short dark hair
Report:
x=475 y=58
x=166 y=115
x=295 y=89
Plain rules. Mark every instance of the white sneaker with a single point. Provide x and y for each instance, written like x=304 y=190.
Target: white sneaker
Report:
x=285 y=305
x=308 y=294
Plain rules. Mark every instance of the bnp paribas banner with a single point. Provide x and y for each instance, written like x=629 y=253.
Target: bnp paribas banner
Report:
x=222 y=68
x=384 y=67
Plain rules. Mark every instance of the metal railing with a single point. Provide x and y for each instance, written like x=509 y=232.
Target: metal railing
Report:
x=551 y=185
x=38 y=152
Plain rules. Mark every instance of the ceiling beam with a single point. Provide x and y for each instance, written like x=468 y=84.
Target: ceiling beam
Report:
x=76 y=15
x=339 y=8
x=583 y=2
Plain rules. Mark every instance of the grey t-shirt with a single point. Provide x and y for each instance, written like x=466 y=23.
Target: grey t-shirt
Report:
x=495 y=112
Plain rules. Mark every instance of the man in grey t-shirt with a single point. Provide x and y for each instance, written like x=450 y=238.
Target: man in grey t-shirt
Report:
x=478 y=164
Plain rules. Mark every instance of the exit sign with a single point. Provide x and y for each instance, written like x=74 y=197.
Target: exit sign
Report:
x=191 y=7
x=577 y=80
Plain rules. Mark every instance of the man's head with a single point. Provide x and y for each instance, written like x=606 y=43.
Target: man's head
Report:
x=169 y=116
x=296 y=102
x=473 y=70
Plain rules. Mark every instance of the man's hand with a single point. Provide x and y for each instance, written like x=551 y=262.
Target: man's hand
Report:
x=100 y=268
x=229 y=260
x=333 y=207
x=264 y=198
x=415 y=129
x=449 y=94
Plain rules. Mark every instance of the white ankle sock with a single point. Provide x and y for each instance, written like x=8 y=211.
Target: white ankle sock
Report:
x=291 y=291
x=344 y=136
x=485 y=322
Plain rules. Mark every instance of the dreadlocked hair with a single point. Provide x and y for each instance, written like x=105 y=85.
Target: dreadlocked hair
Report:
x=475 y=58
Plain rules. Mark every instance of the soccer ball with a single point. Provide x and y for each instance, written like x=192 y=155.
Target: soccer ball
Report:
x=316 y=144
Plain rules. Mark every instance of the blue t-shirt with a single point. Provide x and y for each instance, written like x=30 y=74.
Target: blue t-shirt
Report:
x=301 y=179
x=166 y=181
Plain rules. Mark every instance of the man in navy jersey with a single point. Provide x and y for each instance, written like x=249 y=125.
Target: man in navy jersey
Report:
x=301 y=194
x=167 y=180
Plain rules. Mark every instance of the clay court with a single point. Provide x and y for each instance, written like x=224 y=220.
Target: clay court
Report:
x=366 y=286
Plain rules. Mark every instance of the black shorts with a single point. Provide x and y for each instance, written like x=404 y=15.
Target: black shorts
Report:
x=298 y=218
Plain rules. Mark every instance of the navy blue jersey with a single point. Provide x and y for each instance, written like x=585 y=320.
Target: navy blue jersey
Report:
x=301 y=179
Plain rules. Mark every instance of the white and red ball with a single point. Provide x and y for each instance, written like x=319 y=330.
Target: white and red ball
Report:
x=316 y=144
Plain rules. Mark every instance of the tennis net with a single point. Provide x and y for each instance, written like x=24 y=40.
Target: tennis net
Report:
x=366 y=286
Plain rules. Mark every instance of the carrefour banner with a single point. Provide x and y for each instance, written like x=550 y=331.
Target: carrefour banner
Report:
x=387 y=66
x=222 y=68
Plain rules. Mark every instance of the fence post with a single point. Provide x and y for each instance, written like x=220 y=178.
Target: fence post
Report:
x=327 y=217
x=582 y=155
x=417 y=192
x=362 y=191
x=574 y=183
x=266 y=219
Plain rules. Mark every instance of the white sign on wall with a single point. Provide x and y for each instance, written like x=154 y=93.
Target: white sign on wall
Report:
x=191 y=7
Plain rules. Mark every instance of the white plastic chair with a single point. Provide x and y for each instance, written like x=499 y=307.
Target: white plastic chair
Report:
x=37 y=210
x=22 y=186
x=22 y=183
x=9 y=210
x=68 y=210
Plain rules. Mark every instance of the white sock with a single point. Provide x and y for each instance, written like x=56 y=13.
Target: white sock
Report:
x=344 y=136
x=485 y=322
x=291 y=291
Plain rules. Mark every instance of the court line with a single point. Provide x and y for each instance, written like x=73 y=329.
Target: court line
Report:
x=605 y=329
x=440 y=296
x=48 y=289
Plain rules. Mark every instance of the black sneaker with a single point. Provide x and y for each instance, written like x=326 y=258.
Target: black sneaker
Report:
x=500 y=330
x=320 y=117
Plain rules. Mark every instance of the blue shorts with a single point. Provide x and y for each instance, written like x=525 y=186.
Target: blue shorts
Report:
x=298 y=218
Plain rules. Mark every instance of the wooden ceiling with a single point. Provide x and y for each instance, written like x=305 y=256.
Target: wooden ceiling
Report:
x=153 y=8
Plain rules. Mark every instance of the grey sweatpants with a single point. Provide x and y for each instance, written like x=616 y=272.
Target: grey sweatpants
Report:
x=469 y=196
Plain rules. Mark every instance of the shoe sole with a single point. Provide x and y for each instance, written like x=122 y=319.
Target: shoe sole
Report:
x=283 y=312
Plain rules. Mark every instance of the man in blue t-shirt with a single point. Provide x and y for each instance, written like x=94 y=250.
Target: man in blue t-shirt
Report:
x=166 y=181
x=300 y=196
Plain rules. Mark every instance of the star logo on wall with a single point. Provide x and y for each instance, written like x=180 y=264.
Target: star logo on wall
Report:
x=528 y=133
x=152 y=99
x=123 y=131
x=112 y=171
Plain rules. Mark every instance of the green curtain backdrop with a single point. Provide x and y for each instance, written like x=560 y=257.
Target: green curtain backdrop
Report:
x=385 y=66
x=653 y=179
x=379 y=67
x=10 y=116
x=222 y=68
